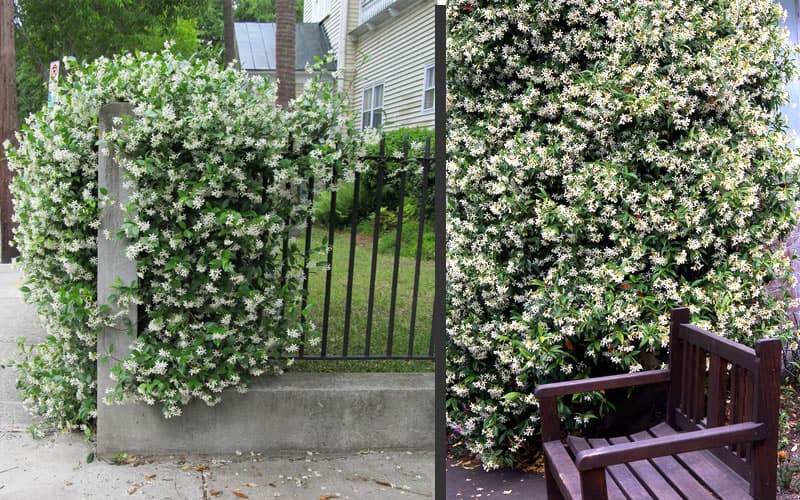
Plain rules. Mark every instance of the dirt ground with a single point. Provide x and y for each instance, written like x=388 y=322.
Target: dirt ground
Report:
x=789 y=444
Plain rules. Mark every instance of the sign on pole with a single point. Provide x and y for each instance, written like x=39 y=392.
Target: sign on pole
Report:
x=53 y=82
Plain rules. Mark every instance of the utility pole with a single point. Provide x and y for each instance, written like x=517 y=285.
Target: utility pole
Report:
x=285 y=21
x=228 y=31
x=8 y=123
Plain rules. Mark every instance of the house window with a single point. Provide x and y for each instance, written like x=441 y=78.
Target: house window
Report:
x=372 y=106
x=428 y=89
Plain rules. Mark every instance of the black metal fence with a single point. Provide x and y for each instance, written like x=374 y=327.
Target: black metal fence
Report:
x=398 y=180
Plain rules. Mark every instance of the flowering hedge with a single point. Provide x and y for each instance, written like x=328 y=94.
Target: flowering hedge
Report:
x=609 y=160
x=215 y=168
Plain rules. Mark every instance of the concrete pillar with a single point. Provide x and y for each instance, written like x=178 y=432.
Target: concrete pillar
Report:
x=112 y=264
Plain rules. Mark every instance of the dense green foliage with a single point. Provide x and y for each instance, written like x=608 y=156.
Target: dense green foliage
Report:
x=395 y=141
x=261 y=10
x=609 y=160
x=48 y=30
x=394 y=166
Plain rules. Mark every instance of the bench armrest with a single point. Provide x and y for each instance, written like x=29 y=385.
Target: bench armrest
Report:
x=547 y=394
x=595 y=384
x=703 y=439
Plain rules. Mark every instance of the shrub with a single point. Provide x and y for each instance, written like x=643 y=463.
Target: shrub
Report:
x=390 y=192
x=609 y=160
x=345 y=202
x=408 y=241
x=214 y=168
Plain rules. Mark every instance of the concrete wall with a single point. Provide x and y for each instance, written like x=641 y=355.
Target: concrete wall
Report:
x=294 y=412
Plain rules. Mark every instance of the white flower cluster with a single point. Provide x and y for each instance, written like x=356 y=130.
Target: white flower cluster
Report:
x=217 y=173
x=608 y=160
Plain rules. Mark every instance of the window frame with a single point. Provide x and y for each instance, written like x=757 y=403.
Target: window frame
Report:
x=371 y=88
x=426 y=88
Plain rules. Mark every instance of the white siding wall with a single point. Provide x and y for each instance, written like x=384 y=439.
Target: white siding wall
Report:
x=331 y=24
x=792 y=110
x=397 y=52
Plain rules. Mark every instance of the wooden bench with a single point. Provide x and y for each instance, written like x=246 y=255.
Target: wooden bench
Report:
x=719 y=440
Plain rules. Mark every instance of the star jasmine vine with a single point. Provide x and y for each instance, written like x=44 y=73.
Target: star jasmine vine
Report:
x=218 y=175
x=609 y=160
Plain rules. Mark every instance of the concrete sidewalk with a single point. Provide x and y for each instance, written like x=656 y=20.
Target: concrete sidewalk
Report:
x=55 y=467
x=472 y=481
x=17 y=319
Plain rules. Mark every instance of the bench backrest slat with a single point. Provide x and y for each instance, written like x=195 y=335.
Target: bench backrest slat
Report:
x=717 y=382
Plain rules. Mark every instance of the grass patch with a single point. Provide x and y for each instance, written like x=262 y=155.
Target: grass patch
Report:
x=382 y=302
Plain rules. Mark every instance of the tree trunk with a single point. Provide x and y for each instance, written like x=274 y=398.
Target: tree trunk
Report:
x=228 y=31
x=8 y=122
x=285 y=20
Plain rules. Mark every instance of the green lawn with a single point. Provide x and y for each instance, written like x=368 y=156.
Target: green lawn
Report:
x=360 y=298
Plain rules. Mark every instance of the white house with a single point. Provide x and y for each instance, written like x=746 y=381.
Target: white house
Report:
x=385 y=54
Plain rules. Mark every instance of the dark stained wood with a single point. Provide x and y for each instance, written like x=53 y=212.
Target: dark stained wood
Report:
x=769 y=378
x=747 y=411
x=708 y=469
x=561 y=470
x=726 y=444
x=735 y=353
x=699 y=390
x=683 y=422
x=605 y=383
x=694 y=396
x=677 y=475
x=688 y=381
x=649 y=476
x=670 y=445
x=548 y=416
x=551 y=485
x=732 y=460
x=596 y=484
x=717 y=389
x=678 y=316
x=616 y=487
x=738 y=396
x=593 y=485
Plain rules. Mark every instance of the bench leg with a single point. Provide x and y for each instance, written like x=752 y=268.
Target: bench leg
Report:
x=553 y=491
x=593 y=485
x=765 y=469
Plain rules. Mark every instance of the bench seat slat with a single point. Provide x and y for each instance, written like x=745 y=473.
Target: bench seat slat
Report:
x=708 y=469
x=681 y=479
x=648 y=475
x=623 y=475
x=577 y=444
